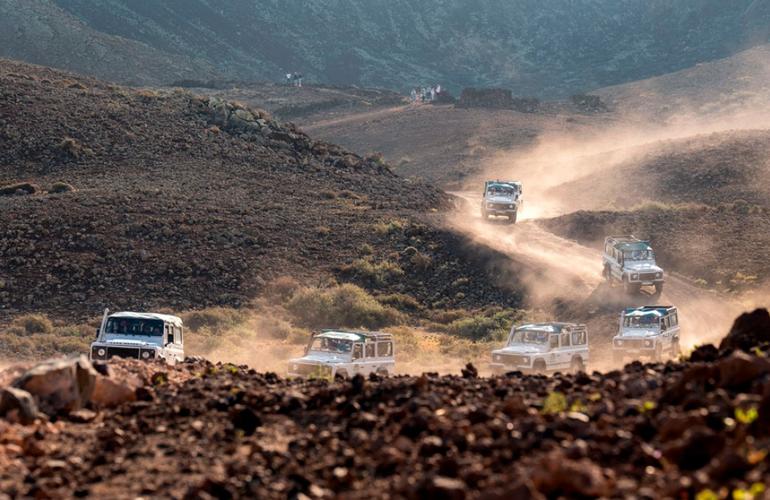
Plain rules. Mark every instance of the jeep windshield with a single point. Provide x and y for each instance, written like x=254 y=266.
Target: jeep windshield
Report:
x=639 y=255
x=529 y=337
x=646 y=321
x=337 y=346
x=135 y=326
x=501 y=191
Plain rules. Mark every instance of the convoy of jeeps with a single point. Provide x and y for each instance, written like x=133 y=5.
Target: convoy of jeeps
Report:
x=647 y=332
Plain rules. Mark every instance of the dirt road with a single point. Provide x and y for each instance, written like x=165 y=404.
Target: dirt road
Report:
x=557 y=269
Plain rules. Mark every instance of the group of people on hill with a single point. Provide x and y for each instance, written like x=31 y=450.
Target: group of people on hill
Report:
x=294 y=79
x=425 y=94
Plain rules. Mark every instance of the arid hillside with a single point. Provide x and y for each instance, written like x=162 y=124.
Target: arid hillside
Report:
x=142 y=199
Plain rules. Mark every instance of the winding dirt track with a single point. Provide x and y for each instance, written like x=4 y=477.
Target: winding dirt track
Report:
x=555 y=268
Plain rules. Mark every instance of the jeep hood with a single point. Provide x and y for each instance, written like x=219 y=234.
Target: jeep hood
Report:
x=522 y=349
x=321 y=358
x=642 y=267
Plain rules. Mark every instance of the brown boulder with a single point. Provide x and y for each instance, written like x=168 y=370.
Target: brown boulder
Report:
x=748 y=331
x=109 y=393
x=740 y=368
x=556 y=475
x=18 y=402
x=60 y=386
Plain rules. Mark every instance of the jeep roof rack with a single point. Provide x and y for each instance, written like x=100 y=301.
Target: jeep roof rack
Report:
x=553 y=326
x=660 y=309
x=378 y=336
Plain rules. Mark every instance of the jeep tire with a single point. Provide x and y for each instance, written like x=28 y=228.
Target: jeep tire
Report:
x=512 y=218
x=539 y=365
x=658 y=356
x=658 y=288
x=577 y=365
x=628 y=287
x=607 y=274
x=484 y=214
x=382 y=372
x=676 y=350
x=343 y=374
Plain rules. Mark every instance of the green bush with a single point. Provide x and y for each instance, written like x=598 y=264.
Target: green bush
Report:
x=343 y=306
x=34 y=323
x=492 y=326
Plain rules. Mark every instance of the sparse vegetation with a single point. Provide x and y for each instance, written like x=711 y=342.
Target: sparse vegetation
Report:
x=343 y=306
x=214 y=319
x=34 y=323
x=374 y=273
x=60 y=187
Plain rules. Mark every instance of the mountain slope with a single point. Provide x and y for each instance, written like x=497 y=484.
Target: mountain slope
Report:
x=185 y=201
x=545 y=48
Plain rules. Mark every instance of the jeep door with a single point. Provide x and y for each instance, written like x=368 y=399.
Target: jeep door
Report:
x=174 y=343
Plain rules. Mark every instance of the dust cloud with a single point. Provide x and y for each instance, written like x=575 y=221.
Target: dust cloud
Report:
x=558 y=271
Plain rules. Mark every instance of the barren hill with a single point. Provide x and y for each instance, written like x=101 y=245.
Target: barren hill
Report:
x=542 y=48
x=186 y=201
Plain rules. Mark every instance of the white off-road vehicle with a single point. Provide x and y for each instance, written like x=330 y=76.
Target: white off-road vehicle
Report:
x=345 y=353
x=631 y=262
x=647 y=332
x=501 y=198
x=140 y=336
x=542 y=347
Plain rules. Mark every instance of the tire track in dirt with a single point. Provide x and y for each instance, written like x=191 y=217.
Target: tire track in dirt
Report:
x=560 y=270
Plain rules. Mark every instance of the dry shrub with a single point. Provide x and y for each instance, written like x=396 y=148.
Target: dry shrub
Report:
x=215 y=319
x=19 y=188
x=328 y=195
x=421 y=261
x=400 y=301
x=377 y=274
x=60 y=187
x=34 y=324
x=342 y=306
x=281 y=289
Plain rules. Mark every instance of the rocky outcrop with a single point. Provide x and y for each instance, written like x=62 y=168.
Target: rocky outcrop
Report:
x=750 y=330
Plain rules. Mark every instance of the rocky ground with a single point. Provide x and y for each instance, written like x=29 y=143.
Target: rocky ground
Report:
x=690 y=429
x=142 y=199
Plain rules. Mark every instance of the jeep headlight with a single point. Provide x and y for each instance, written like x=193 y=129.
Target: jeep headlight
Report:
x=634 y=276
x=496 y=357
x=618 y=342
x=101 y=352
x=648 y=343
x=510 y=206
x=294 y=367
x=658 y=275
x=525 y=360
x=146 y=355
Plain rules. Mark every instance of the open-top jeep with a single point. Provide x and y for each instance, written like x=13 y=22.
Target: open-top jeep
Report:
x=140 y=336
x=501 y=198
x=345 y=353
x=543 y=347
x=631 y=261
x=647 y=332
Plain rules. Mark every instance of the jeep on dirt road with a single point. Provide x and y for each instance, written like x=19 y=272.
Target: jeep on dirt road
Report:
x=631 y=262
x=542 y=347
x=140 y=336
x=345 y=353
x=647 y=332
x=501 y=198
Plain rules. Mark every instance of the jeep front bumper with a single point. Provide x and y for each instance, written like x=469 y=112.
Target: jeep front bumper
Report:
x=308 y=370
x=105 y=352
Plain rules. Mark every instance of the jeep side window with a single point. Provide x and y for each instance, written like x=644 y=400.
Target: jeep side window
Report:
x=170 y=334
x=179 y=334
x=674 y=319
x=385 y=349
x=370 y=350
x=554 y=341
x=578 y=338
x=358 y=351
x=565 y=340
